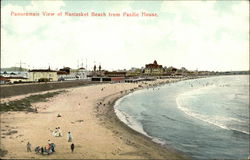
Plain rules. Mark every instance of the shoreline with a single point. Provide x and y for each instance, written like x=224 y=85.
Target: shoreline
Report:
x=93 y=125
x=110 y=115
x=197 y=86
x=165 y=151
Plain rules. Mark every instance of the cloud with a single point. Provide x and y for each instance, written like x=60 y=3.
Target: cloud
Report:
x=103 y=40
x=185 y=34
x=196 y=26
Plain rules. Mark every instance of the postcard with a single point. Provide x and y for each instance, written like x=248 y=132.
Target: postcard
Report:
x=124 y=79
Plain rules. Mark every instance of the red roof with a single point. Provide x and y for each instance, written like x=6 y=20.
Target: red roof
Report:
x=4 y=79
x=62 y=72
x=115 y=74
x=117 y=78
x=153 y=65
x=66 y=68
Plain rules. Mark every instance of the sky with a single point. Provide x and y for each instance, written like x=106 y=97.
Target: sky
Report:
x=205 y=35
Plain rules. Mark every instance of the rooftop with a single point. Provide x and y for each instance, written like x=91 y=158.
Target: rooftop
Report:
x=42 y=70
x=153 y=65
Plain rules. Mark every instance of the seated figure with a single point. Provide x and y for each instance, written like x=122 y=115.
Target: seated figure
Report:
x=38 y=149
x=57 y=132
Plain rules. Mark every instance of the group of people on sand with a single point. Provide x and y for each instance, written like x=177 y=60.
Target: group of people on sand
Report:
x=50 y=147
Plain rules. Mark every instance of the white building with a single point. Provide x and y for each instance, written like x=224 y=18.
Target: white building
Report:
x=36 y=75
x=15 y=74
x=82 y=73
x=71 y=74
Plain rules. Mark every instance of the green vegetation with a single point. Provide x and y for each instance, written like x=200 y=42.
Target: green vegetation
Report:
x=3 y=152
x=25 y=103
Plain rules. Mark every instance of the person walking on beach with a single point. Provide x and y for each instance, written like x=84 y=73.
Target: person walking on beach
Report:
x=72 y=147
x=28 y=147
x=69 y=137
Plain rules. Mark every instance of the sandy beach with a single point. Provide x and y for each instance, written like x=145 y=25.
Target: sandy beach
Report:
x=87 y=112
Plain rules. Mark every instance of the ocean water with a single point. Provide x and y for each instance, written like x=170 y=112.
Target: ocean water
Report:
x=206 y=118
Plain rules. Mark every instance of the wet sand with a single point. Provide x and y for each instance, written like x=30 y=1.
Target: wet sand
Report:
x=97 y=132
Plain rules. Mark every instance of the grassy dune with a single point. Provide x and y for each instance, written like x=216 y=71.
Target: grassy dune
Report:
x=25 y=103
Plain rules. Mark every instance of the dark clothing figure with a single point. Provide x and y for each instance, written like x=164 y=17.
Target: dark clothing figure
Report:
x=52 y=145
x=37 y=149
x=72 y=147
x=42 y=150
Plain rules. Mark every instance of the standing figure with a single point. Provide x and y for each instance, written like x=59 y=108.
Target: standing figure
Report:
x=59 y=132
x=42 y=150
x=28 y=147
x=72 y=147
x=69 y=137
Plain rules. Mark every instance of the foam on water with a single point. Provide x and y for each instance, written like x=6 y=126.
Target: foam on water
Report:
x=218 y=121
x=204 y=118
x=130 y=121
x=159 y=140
x=133 y=123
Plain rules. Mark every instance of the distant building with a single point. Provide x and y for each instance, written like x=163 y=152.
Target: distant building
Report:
x=115 y=74
x=65 y=69
x=108 y=79
x=59 y=73
x=82 y=73
x=134 y=72
x=153 y=69
x=14 y=74
x=170 y=71
x=17 y=79
x=107 y=76
x=64 y=75
x=72 y=74
x=97 y=73
x=4 y=80
x=42 y=75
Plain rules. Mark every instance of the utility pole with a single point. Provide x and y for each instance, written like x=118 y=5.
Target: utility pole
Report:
x=77 y=63
x=86 y=64
x=20 y=66
x=82 y=63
